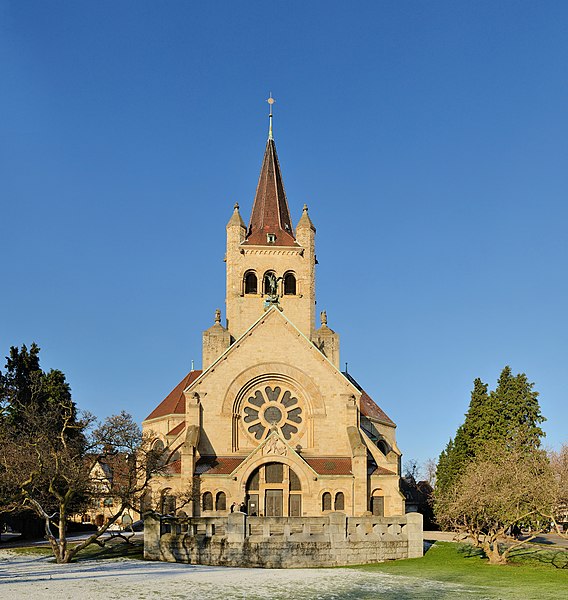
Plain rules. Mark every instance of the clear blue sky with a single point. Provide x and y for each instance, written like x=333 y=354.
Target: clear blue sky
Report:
x=428 y=138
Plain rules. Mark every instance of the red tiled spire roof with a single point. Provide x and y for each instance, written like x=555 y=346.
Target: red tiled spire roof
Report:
x=270 y=213
x=174 y=402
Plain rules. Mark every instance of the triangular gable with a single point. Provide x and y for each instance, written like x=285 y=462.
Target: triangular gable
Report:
x=272 y=312
x=273 y=445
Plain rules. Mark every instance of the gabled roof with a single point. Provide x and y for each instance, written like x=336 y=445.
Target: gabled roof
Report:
x=369 y=408
x=174 y=402
x=270 y=213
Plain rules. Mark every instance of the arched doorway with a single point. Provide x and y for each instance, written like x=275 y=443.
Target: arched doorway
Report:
x=377 y=503
x=274 y=490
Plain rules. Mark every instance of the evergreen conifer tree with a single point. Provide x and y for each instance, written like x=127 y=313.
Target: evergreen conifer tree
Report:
x=503 y=416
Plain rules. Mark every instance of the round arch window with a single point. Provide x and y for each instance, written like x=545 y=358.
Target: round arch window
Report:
x=289 y=284
x=272 y=407
x=250 y=283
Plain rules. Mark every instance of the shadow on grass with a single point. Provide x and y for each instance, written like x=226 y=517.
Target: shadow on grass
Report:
x=523 y=556
x=132 y=549
x=557 y=558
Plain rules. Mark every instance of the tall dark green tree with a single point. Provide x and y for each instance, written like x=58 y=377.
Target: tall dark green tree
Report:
x=26 y=390
x=501 y=416
x=518 y=410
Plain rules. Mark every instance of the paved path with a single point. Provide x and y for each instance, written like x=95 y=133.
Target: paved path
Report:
x=545 y=539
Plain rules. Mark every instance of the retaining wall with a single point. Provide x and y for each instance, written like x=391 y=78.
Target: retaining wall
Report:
x=282 y=542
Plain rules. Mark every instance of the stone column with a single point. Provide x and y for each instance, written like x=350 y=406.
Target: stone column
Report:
x=152 y=533
x=337 y=526
x=236 y=527
x=415 y=535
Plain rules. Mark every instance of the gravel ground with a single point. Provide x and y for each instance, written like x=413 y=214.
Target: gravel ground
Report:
x=33 y=577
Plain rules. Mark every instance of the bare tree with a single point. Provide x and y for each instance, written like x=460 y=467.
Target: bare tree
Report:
x=430 y=467
x=559 y=466
x=498 y=492
x=47 y=467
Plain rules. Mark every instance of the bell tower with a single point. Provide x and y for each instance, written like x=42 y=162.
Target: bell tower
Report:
x=268 y=263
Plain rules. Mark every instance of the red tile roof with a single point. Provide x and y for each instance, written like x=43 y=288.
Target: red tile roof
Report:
x=370 y=409
x=174 y=468
x=367 y=405
x=382 y=471
x=174 y=402
x=270 y=213
x=217 y=465
x=177 y=429
x=330 y=465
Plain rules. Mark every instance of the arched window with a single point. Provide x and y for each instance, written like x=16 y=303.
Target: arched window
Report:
x=339 y=501
x=289 y=284
x=326 y=501
x=221 y=501
x=156 y=456
x=383 y=447
x=377 y=503
x=269 y=276
x=207 y=501
x=295 y=484
x=251 y=283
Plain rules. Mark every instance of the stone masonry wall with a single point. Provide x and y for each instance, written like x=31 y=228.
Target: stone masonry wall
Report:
x=283 y=542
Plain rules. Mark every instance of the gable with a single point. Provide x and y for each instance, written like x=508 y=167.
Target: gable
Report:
x=273 y=338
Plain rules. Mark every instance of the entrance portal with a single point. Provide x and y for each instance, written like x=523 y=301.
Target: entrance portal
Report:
x=274 y=490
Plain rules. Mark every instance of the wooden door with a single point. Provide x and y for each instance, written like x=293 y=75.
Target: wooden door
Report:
x=378 y=506
x=273 y=503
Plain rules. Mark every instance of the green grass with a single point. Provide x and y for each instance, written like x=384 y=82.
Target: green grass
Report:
x=538 y=574
x=112 y=549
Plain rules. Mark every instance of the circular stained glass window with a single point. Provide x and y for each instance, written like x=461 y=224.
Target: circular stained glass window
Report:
x=270 y=407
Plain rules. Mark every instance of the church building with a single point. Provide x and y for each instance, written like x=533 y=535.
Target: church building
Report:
x=270 y=424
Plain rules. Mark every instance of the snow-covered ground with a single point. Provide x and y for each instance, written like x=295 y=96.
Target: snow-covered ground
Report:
x=33 y=577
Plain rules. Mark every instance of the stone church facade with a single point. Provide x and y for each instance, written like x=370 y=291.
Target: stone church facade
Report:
x=271 y=421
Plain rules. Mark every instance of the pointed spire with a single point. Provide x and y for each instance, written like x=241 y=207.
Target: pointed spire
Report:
x=305 y=220
x=236 y=218
x=270 y=223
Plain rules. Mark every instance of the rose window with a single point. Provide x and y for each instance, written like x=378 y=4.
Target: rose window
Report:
x=270 y=408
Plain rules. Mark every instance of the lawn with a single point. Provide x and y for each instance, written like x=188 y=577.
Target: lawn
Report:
x=533 y=573
x=112 y=549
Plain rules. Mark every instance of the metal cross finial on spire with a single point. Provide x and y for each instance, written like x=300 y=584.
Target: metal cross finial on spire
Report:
x=270 y=101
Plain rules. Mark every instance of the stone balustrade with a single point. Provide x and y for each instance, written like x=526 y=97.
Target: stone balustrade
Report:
x=284 y=542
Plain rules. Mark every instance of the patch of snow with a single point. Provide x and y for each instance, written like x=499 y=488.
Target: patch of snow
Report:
x=41 y=579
